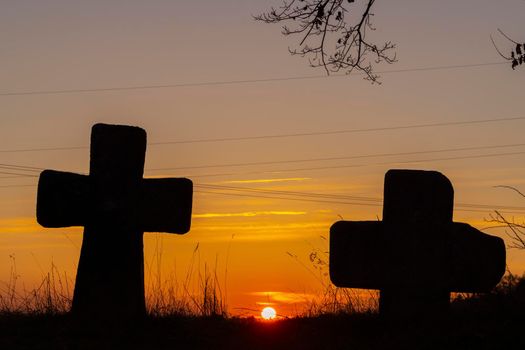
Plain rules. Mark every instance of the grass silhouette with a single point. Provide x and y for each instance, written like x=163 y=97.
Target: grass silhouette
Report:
x=199 y=293
x=192 y=314
x=52 y=296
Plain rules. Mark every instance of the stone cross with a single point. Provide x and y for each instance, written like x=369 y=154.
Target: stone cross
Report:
x=417 y=255
x=116 y=206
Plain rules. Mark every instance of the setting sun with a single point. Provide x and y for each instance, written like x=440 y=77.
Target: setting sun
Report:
x=268 y=313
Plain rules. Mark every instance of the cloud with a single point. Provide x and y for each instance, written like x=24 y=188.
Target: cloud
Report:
x=246 y=214
x=256 y=181
x=208 y=230
x=264 y=303
x=283 y=297
x=19 y=225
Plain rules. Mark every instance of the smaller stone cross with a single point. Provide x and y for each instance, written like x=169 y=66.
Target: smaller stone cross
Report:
x=115 y=205
x=417 y=255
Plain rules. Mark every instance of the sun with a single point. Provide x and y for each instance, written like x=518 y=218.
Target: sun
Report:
x=268 y=313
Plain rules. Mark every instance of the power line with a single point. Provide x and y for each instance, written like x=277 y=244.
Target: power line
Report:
x=338 y=158
x=17 y=171
x=347 y=131
x=240 y=194
x=320 y=197
x=478 y=156
x=17 y=174
x=234 y=82
x=20 y=167
x=288 y=193
x=305 y=134
x=277 y=171
x=14 y=186
x=405 y=162
x=43 y=149
x=17 y=167
x=325 y=201
x=287 y=198
x=10 y=177
x=340 y=197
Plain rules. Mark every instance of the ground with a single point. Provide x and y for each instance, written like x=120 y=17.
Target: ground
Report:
x=463 y=327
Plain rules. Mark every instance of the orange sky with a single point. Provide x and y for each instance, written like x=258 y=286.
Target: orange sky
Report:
x=260 y=247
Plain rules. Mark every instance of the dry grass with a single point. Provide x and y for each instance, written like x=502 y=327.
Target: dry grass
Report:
x=199 y=293
x=332 y=300
x=52 y=296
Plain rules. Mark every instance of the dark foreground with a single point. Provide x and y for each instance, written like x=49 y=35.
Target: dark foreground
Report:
x=326 y=332
x=494 y=322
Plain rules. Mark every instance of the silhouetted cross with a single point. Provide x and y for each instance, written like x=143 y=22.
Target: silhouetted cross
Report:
x=115 y=205
x=416 y=256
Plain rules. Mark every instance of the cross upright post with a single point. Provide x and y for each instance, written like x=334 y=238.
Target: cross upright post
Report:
x=116 y=206
x=417 y=255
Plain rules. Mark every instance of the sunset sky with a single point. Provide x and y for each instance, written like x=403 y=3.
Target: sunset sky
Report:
x=258 y=241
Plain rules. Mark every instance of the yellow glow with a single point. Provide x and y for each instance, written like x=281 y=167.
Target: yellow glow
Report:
x=268 y=313
x=19 y=225
x=285 y=297
x=212 y=231
x=246 y=214
x=262 y=181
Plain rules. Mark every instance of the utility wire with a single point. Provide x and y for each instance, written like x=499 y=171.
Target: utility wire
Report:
x=20 y=167
x=17 y=174
x=294 y=193
x=378 y=155
x=16 y=167
x=280 y=171
x=347 y=131
x=401 y=162
x=276 y=171
x=287 y=198
x=320 y=198
x=14 y=186
x=340 y=197
x=43 y=149
x=305 y=134
x=22 y=171
x=325 y=201
x=10 y=177
x=234 y=82
x=288 y=193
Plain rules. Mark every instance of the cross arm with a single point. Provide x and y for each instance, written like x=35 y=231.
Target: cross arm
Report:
x=166 y=205
x=357 y=254
x=477 y=260
x=62 y=199
x=364 y=254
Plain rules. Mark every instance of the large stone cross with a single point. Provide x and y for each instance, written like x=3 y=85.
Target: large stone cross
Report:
x=115 y=205
x=417 y=255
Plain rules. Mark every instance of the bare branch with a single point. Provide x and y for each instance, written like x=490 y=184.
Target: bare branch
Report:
x=333 y=34
x=511 y=188
x=517 y=56
x=505 y=35
x=493 y=43
x=515 y=230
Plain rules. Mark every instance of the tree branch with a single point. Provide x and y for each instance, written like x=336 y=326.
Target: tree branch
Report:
x=516 y=230
x=329 y=38
x=517 y=56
